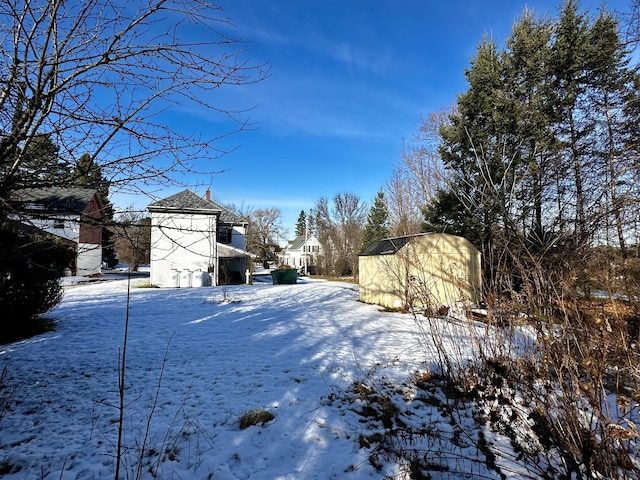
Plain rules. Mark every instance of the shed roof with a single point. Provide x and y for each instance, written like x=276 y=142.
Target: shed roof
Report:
x=391 y=246
x=70 y=200
x=386 y=246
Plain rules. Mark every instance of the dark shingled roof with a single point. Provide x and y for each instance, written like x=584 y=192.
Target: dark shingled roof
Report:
x=388 y=246
x=71 y=200
x=189 y=202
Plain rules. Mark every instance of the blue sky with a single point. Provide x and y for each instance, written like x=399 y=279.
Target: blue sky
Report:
x=349 y=82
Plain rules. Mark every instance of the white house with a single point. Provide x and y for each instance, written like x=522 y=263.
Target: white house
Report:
x=195 y=242
x=302 y=253
x=73 y=215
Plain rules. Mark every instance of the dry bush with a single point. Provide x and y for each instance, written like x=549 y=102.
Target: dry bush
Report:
x=257 y=416
x=551 y=370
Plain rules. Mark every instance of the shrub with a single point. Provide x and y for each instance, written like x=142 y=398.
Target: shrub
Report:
x=258 y=416
x=29 y=278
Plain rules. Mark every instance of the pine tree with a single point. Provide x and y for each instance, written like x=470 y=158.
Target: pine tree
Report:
x=377 y=226
x=612 y=85
x=301 y=224
x=477 y=147
x=43 y=165
x=530 y=95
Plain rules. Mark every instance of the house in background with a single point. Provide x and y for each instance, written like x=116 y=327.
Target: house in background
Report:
x=302 y=253
x=195 y=242
x=71 y=214
x=426 y=271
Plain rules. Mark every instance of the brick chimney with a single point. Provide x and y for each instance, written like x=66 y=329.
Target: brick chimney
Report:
x=208 y=195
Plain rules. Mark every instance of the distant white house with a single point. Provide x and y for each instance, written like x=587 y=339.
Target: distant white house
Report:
x=302 y=253
x=73 y=215
x=196 y=242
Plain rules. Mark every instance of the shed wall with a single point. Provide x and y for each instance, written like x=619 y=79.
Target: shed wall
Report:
x=429 y=271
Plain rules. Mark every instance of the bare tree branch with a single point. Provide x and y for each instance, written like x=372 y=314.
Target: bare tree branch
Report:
x=102 y=77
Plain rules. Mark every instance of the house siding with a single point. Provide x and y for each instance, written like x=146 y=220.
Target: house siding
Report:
x=181 y=242
x=89 y=259
x=90 y=229
x=69 y=213
x=293 y=254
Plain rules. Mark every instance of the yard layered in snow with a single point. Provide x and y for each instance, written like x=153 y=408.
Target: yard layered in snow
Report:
x=289 y=349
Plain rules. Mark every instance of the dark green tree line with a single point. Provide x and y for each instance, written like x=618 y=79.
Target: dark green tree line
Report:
x=541 y=147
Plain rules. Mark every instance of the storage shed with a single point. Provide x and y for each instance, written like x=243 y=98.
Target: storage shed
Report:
x=425 y=271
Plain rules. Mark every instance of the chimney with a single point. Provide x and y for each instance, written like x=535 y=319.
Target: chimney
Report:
x=208 y=195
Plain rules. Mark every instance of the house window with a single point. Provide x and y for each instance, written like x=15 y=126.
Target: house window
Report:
x=57 y=223
x=224 y=235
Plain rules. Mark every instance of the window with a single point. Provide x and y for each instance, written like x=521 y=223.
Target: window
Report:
x=224 y=235
x=57 y=223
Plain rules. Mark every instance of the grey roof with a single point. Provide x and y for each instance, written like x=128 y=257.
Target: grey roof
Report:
x=185 y=201
x=296 y=243
x=189 y=202
x=387 y=246
x=227 y=216
x=73 y=200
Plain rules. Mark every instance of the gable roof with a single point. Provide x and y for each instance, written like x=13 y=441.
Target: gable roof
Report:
x=188 y=202
x=69 y=200
x=391 y=246
x=386 y=246
x=184 y=202
x=299 y=241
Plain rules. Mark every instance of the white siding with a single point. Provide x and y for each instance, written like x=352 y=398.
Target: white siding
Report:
x=181 y=242
x=89 y=259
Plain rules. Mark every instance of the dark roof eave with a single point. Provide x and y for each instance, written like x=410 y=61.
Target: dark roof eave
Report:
x=202 y=211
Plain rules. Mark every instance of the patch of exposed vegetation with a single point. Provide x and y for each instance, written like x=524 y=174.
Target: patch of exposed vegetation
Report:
x=257 y=416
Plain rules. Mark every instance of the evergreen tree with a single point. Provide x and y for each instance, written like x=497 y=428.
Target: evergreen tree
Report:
x=42 y=166
x=611 y=89
x=538 y=151
x=569 y=71
x=478 y=148
x=530 y=96
x=377 y=226
x=301 y=224
x=31 y=262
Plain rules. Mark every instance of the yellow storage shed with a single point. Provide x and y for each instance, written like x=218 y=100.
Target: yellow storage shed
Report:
x=425 y=271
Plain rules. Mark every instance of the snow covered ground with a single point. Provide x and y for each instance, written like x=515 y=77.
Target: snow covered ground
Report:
x=289 y=349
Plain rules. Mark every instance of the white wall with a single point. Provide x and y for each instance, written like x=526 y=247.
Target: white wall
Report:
x=238 y=237
x=89 y=259
x=70 y=231
x=181 y=242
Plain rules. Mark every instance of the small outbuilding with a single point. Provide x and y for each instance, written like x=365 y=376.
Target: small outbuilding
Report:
x=426 y=271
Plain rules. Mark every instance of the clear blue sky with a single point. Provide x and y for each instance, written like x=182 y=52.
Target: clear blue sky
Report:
x=349 y=81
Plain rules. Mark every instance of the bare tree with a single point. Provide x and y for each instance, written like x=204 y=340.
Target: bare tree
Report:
x=416 y=178
x=132 y=237
x=340 y=230
x=265 y=226
x=100 y=76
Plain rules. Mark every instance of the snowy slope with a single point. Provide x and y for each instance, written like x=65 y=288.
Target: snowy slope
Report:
x=290 y=349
